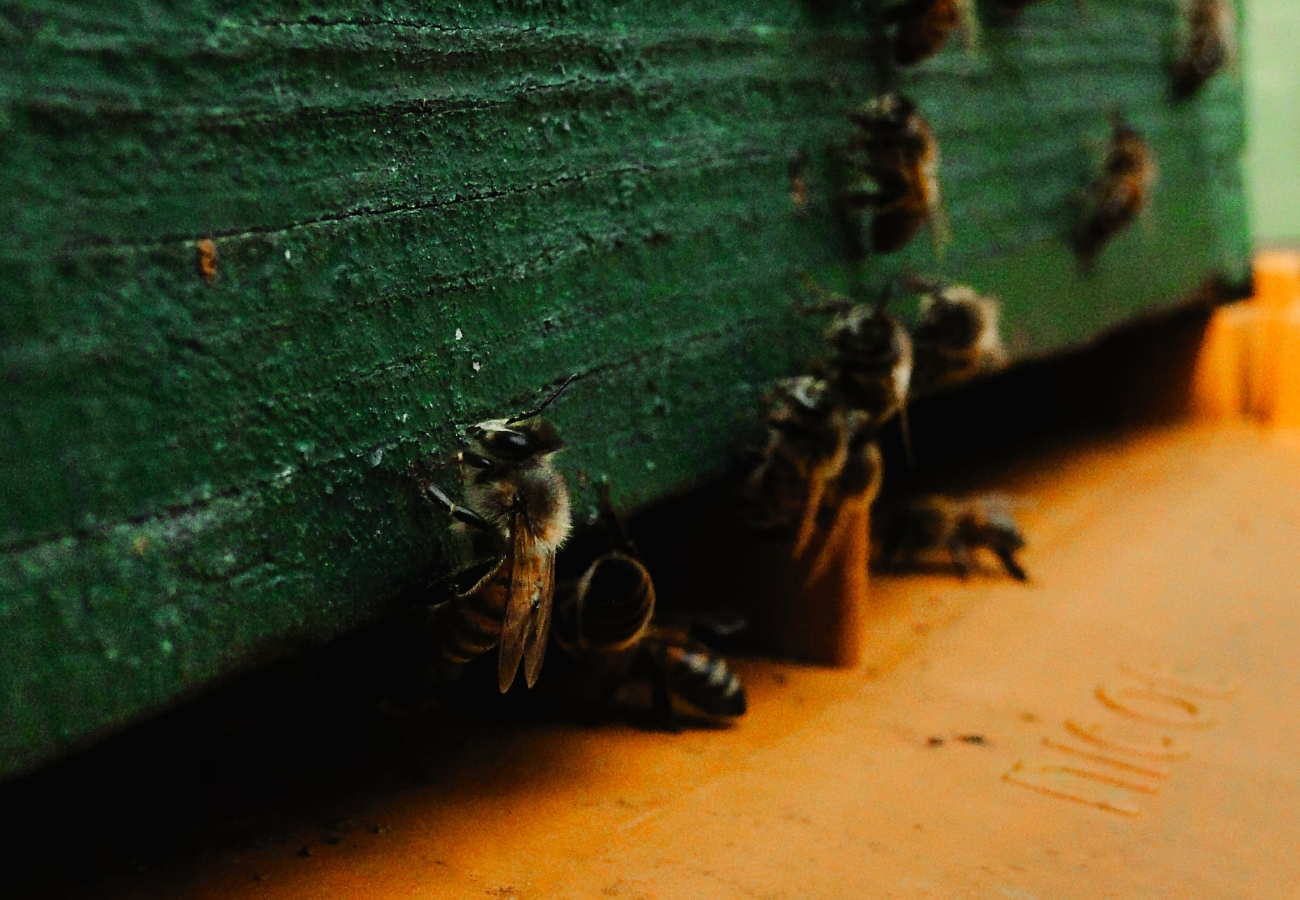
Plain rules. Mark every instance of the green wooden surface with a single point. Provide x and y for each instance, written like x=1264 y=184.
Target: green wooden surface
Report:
x=1272 y=72
x=424 y=214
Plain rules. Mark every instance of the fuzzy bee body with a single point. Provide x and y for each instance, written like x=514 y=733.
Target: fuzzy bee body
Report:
x=959 y=526
x=872 y=359
x=1118 y=194
x=956 y=336
x=1212 y=27
x=895 y=158
x=518 y=509
x=924 y=26
x=604 y=617
x=806 y=437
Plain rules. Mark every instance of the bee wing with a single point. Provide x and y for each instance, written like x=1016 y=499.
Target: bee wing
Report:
x=535 y=642
x=519 y=602
x=528 y=608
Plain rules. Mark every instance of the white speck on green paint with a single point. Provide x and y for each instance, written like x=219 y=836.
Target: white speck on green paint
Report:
x=459 y=334
x=477 y=365
x=377 y=457
x=649 y=466
x=288 y=254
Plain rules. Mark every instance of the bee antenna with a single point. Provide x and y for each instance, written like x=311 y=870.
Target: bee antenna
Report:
x=545 y=403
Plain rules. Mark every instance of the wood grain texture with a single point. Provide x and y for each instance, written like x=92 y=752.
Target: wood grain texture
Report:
x=424 y=215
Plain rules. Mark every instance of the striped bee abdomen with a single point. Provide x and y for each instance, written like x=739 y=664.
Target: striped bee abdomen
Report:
x=469 y=625
x=698 y=676
x=618 y=599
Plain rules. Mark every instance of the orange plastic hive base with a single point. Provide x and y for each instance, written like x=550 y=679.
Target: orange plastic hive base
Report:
x=1125 y=725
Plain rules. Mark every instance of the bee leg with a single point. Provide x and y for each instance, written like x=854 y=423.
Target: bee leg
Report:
x=477 y=460
x=459 y=513
x=1009 y=563
x=960 y=557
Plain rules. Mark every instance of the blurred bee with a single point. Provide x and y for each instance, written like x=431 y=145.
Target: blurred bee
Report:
x=811 y=438
x=960 y=526
x=606 y=621
x=922 y=27
x=870 y=369
x=1211 y=42
x=956 y=337
x=1118 y=194
x=893 y=166
x=519 y=509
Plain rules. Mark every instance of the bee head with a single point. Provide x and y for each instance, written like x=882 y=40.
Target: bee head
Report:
x=512 y=441
x=866 y=336
x=994 y=518
x=955 y=316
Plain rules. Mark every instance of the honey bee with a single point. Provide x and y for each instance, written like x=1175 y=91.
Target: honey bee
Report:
x=810 y=441
x=1118 y=194
x=923 y=27
x=607 y=622
x=893 y=163
x=519 y=508
x=870 y=369
x=1211 y=42
x=957 y=336
x=959 y=526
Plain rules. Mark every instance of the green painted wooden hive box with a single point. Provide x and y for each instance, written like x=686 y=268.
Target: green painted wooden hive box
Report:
x=422 y=215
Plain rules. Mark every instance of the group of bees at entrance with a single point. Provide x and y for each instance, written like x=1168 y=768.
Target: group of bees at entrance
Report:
x=517 y=510
x=822 y=468
x=893 y=160
x=821 y=463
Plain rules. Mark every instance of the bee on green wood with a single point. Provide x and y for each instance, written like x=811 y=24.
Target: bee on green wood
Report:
x=893 y=167
x=956 y=336
x=1211 y=43
x=517 y=503
x=1118 y=193
x=922 y=27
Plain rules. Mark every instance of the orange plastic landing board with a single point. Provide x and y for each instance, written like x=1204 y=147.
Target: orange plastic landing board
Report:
x=1127 y=725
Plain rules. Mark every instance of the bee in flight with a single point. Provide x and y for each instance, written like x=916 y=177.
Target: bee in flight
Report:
x=1118 y=194
x=922 y=27
x=517 y=509
x=959 y=526
x=956 y=336
x=606 y=621
x=1211 y=43
x=893 y=170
